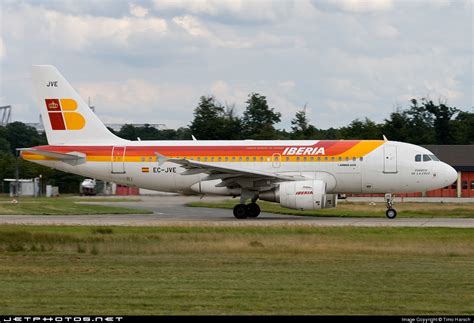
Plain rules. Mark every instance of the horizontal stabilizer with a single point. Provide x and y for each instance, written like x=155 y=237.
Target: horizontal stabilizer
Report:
x=71 y=156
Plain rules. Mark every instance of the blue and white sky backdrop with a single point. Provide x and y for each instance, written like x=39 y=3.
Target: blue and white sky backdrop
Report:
x=150 y=61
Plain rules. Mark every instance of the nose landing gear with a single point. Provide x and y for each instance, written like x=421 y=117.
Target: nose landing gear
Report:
x=391 y=213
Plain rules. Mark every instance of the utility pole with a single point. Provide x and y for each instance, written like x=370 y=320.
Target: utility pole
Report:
x=17 y=174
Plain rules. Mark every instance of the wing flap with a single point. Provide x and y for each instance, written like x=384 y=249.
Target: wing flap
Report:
x=220 y=171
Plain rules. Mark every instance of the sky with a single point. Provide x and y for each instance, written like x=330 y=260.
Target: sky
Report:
x=150 y=61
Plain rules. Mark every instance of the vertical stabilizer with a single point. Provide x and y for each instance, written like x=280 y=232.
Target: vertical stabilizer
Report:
x=67 y=119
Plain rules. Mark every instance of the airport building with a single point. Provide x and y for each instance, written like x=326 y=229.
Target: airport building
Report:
x=461 y=157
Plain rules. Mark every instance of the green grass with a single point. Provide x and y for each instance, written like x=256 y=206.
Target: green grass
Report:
x=60 y=206
x=227 y=270
x=352 y=209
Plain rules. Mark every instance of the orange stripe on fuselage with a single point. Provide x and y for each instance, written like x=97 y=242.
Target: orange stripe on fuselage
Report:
x=332 y=148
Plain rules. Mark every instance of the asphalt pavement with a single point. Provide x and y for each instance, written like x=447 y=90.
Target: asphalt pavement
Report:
x=170 y=210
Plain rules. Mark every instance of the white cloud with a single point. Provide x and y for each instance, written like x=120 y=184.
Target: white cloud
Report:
x=137 y=11
x=244 y=10
x=192 y=26
x=275 y=93
x=81 y=32
x=364 y=5
x=2 y=49
x=386 y=31
x=321 y=52
x=140 y=101
x=346 y=88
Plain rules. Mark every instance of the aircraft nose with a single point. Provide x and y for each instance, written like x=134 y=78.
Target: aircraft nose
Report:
x=451 y=174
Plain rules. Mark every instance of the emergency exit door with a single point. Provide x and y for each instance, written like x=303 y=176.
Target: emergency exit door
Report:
x=118 y=160
x=390 y=159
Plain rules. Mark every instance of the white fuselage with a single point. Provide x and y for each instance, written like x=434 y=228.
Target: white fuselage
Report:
x=357 y=167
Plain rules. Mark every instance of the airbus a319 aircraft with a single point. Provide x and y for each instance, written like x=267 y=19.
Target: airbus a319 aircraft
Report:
x=297 y=174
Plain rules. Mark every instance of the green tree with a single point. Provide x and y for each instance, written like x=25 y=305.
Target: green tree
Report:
x=19 y=135
x=397 y=127
x=420 y=129
x=442 y=115
x=128 y=131
x=463 y=128
x=301 y=129
x=258 y=120
x=213 y=122
x=358 y=129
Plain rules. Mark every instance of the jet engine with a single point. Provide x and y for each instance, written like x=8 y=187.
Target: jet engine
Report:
x=301 y=195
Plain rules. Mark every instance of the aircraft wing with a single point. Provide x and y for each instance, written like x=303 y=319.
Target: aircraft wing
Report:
x=223 y=172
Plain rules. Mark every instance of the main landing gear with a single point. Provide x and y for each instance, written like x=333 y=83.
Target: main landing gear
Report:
x=243 y=211
x=391 y=213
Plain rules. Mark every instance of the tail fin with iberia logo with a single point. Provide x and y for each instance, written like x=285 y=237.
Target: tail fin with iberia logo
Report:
x=67 y=119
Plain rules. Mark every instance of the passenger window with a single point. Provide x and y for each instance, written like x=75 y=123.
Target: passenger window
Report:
x=361 y=158
x=227 y=159
x=247 y=158
x=426 y=158
x=233 y=158
x=254 y=159
x=418 y=158
x=287 y=158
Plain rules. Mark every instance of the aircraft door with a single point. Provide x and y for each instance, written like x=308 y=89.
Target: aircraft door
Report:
x=390 y=159
x=118 y=160
x=276 y=160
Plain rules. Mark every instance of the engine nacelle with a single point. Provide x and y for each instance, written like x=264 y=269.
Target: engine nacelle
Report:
x=301 y=195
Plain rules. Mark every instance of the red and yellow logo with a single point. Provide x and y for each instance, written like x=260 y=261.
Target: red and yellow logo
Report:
x=61 y=115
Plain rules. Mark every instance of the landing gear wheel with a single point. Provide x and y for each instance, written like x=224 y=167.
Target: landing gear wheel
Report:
x=253 y=210
x=240 y=211
x=391 y=213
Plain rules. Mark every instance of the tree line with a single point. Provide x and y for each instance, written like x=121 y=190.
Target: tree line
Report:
x=423 y=122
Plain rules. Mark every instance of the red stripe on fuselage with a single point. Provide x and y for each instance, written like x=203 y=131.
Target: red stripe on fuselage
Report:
x=331 y=147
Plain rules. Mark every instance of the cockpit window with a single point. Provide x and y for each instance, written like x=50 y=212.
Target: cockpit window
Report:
x=418 y=158
x=433 y=157
x=426 y=158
